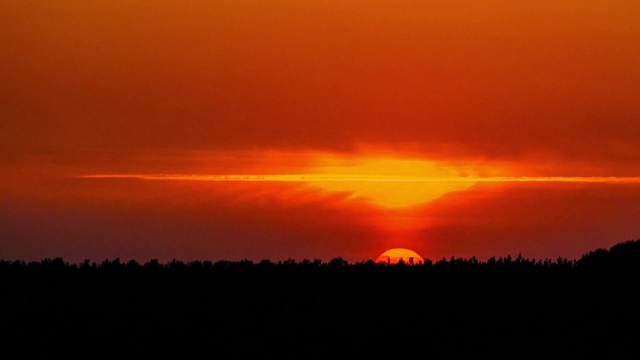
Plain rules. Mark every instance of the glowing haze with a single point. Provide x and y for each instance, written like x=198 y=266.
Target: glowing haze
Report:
x=272 y=130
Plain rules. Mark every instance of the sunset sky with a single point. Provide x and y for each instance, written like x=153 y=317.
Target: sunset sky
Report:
x=233 y=129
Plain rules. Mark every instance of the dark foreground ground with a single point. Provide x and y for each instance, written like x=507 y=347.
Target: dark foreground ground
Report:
x=454 y=309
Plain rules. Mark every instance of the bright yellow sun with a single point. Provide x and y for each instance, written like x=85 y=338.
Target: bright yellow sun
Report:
x=393 y=256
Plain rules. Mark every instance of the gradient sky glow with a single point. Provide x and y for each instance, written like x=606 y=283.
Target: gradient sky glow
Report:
x=295 y=129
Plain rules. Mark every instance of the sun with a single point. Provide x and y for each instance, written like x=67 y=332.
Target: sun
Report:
x=393 y=256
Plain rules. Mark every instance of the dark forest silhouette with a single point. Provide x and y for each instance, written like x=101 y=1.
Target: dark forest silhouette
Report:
x=502 y=308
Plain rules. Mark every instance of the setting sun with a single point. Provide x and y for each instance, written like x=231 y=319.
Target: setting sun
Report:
x=393 y=256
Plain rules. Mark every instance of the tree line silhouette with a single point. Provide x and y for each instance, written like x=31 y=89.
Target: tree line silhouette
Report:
x=452 y=308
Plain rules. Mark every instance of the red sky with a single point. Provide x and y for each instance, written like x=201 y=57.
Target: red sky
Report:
x=231 y=129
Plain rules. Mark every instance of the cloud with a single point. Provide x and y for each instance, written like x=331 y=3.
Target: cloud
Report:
x=482 y=80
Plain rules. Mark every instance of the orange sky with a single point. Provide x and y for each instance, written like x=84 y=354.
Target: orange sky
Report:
x=340 y=128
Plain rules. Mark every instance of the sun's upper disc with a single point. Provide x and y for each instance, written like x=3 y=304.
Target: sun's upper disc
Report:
x=393 y=256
